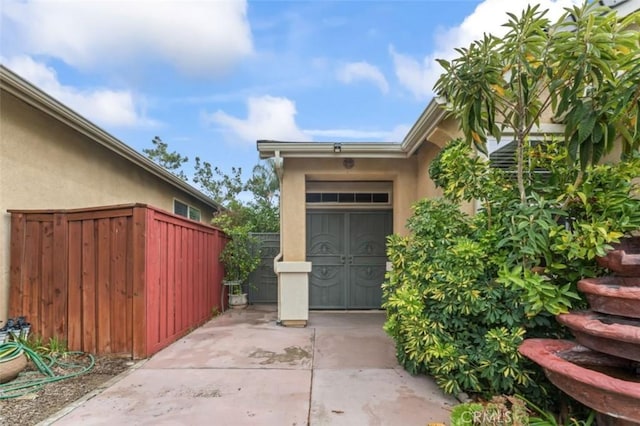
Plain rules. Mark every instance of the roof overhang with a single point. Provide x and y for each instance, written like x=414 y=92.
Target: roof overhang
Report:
x=30 y=94
x=269 y=149
x=427 y=122
x=424 y=126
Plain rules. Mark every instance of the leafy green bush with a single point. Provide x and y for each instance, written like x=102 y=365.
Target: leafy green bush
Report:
x=241 y=253
x=465 y=291
x=447 y=312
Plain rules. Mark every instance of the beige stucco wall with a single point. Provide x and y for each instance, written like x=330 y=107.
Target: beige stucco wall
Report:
x=445 y=132
x=46 y=165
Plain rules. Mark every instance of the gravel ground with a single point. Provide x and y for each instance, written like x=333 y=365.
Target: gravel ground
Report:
x=39 y=405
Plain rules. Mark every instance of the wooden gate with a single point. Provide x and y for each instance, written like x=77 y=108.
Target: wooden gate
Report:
x=126 y=279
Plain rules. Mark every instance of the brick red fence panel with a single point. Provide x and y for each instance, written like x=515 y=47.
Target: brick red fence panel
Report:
x=126 y=279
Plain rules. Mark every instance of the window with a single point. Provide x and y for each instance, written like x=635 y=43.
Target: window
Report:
x=185 y=210
x=504 y=158
x=348 y=197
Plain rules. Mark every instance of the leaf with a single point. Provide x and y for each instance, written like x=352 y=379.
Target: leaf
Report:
x=498 y=89
x=585 y=127
x=637 y=121
x=586 y=153
x=574 y=144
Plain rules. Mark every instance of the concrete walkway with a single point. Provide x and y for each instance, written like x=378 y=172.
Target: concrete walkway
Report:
x=242 y=369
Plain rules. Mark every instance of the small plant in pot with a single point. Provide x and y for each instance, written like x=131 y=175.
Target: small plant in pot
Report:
x=240 y=257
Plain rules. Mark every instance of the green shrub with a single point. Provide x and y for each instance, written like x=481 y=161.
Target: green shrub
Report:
x=464 y=291
x=448 y=314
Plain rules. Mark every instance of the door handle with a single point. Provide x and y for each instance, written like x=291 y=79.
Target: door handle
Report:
x=350 y=260
x=342 y=258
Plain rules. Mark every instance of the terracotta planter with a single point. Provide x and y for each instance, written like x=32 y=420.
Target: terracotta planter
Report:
x=611 y=335
x=574 y=370
x=612 y=295
x=624 y=259
x=10 y=368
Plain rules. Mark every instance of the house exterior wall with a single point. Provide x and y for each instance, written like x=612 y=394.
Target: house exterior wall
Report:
x=297 y=171
x=446 y=131
x=45 y=164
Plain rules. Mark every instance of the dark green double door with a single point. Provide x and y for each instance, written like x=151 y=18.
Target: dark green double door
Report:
x=348 y=256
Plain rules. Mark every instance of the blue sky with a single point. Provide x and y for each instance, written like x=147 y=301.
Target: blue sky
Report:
x=212 y=77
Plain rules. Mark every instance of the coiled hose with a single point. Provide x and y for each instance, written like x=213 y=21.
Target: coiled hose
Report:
x=31 y=381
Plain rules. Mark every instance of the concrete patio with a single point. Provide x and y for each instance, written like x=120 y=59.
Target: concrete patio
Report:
x=242 y=369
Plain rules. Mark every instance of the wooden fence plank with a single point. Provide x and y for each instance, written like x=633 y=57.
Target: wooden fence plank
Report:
x=74 y=288
x=118 y=291
x=185 y=278
x=162 y=282
x=139 y=261
x=89 y=284
x=128 y=289
x=171 y=283
x=191 y=262
x=46 y=280
x=60 y=276
x=179 y=294
x=152 y=283
x=103 y=303
x=18 y=285
x=202 y=278
x=31 y=305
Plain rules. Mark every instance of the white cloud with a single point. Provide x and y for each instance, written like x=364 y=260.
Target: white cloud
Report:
x=363 y=71
x=419 y=75
x=196 y=37
x=268 y=117
x=398 y=133
x=273 y=118
x=353 y=134
x=103 y=106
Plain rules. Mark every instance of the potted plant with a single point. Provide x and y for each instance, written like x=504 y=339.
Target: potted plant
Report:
x=240 y=257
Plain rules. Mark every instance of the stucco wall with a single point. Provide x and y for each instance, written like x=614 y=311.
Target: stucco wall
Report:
x=402 y=174
x=46 y=165
x=446 y=131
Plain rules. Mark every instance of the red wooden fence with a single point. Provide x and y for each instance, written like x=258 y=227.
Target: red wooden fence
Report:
x=126 y=279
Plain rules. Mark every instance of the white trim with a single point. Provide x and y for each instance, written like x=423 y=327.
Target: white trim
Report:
x=292 y=267
x=268 y=149
x=622 y=7
x=426 y=123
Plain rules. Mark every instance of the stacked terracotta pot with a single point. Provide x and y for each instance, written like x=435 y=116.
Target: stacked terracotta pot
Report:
x=601 y=368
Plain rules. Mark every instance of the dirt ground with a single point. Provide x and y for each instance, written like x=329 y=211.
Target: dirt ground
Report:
x=39 y=405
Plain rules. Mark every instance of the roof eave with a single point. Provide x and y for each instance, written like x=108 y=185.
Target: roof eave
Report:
x=426 y=123
x=35 y=97
x=269 y=149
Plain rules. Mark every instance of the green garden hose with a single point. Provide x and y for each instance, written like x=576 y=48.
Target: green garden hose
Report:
x=31 y=381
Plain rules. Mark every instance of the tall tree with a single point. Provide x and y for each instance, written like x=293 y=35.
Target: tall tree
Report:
x=221 y=187
x=583 y=70
x=252 y=203
x=264 y=183
x=172 y=161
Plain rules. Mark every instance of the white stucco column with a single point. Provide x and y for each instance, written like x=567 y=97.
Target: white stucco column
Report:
x=293 y=293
